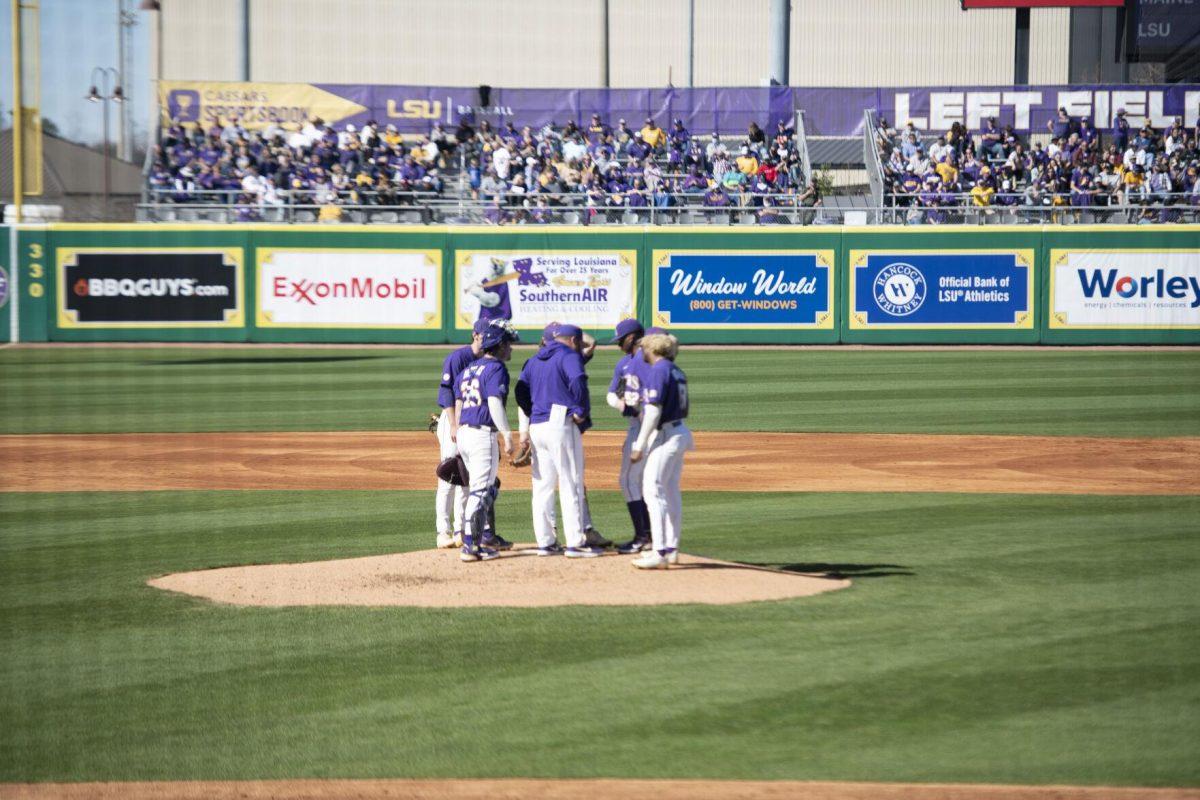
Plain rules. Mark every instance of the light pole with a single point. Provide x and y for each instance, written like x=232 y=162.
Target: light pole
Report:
x=111 y=91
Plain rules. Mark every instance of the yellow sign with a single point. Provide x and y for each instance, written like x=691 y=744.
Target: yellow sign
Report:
x=255 y=105
x=415 y=109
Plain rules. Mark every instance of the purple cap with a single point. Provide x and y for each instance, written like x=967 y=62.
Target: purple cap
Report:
x=567 y=329
x=655 y=329
x=480 y=326
x=548 y=332
x=626 y=327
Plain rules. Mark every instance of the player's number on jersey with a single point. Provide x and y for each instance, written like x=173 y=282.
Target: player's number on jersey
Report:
x=683 y=398
x=470 y=393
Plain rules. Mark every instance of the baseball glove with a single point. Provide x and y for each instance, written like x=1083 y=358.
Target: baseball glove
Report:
x=522 y=455
x=433 y=422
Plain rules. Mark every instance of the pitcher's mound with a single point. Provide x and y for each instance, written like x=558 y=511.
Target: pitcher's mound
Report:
x=438 y=579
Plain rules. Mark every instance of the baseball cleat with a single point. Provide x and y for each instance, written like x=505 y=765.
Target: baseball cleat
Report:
x=497 y=542
x=469 y=554
x=672 y=556
x=445 y=541
x=555 y=549
x=635 y=546
x=594 y=539
x=651 y=560
x=583 y=552
x=458 y=542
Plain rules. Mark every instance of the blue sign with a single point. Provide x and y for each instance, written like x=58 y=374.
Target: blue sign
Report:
x=941 y=290
x=700 y=289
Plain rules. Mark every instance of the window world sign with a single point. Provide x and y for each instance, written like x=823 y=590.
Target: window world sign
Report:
x=930 y=290
x=743 y=290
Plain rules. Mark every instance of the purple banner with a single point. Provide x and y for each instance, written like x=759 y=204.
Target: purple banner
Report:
x=729 y=111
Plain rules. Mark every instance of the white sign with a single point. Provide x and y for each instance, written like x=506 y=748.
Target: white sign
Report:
x=1125 y=289
x=349 y=288
x=533 y=289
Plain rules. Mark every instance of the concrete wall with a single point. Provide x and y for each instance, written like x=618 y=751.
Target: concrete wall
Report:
x=541 y=43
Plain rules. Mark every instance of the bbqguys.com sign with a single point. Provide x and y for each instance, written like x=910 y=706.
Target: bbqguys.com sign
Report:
x=1125 y=289
x=349 y=288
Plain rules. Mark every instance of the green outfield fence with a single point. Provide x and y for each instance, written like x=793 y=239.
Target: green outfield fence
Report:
x=888 y=285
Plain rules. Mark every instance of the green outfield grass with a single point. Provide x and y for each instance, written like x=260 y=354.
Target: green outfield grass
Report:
x=1053 y=392
x=1031 y=639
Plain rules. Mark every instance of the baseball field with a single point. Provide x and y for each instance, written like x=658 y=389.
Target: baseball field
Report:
x=996 y=555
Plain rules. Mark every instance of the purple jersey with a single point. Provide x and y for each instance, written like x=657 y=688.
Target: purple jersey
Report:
x=628 y=381
x=483 y=378
x=503 y=309
x=455 y=363
x=555 y=376
x=666 y=386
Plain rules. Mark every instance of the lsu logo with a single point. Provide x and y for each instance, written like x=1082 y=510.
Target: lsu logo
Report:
x=415 y=109
x=900 y=289
x=1105 y=283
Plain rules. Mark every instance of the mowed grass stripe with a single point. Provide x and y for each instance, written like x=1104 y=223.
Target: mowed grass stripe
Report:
x=1000 y=638
x=1050 y=392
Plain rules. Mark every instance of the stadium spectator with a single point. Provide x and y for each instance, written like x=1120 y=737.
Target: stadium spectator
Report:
x=653 y=136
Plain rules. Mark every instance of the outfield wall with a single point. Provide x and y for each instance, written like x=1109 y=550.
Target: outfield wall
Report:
x=348 y=283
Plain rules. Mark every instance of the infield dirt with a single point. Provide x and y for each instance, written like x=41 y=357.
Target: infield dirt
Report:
x=768 y=462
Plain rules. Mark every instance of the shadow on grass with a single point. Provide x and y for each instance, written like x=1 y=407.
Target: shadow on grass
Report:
x=840 y=571
x=269 y=360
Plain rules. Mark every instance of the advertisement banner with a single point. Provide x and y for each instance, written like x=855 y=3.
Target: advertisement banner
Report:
x=743 y=290
x=255 y=105
x=351 y=288
x=935 y=289
x=829 y=111
x=592 y=289
x=174 y=287
x=1157 y=288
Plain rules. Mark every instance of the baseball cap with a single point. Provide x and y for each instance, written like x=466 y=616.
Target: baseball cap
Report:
x=548 y=332
x=567 y=329
x=480 y=326
x=626 y=327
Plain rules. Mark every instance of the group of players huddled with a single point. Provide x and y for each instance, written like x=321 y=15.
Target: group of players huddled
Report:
x=554 y=411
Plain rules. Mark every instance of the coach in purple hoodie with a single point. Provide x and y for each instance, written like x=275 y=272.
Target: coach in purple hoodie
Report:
x=554 y=409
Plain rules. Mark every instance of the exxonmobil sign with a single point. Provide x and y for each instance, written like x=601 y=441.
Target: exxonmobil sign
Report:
x=349 y=288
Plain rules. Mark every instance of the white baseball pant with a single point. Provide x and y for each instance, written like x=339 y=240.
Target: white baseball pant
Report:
x=660 y=483
x=450 y=498
x=481 y=453
x=630 y=476
x=557 y=463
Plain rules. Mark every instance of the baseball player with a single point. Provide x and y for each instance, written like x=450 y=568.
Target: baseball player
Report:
x=552 y=409
x=448 y=496
x=479 y=397
x=625 y=395
x=663 y=440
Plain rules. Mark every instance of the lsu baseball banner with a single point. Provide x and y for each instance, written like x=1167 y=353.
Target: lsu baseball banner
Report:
x=829 y=111
x=1125 y=289
x=175 y=287
x=531 y=289
x=352 y=288
x=746 y=290
x=926 y=289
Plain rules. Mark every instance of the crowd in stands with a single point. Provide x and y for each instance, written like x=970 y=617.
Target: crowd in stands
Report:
x=524 y=176
x=1153 y=175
